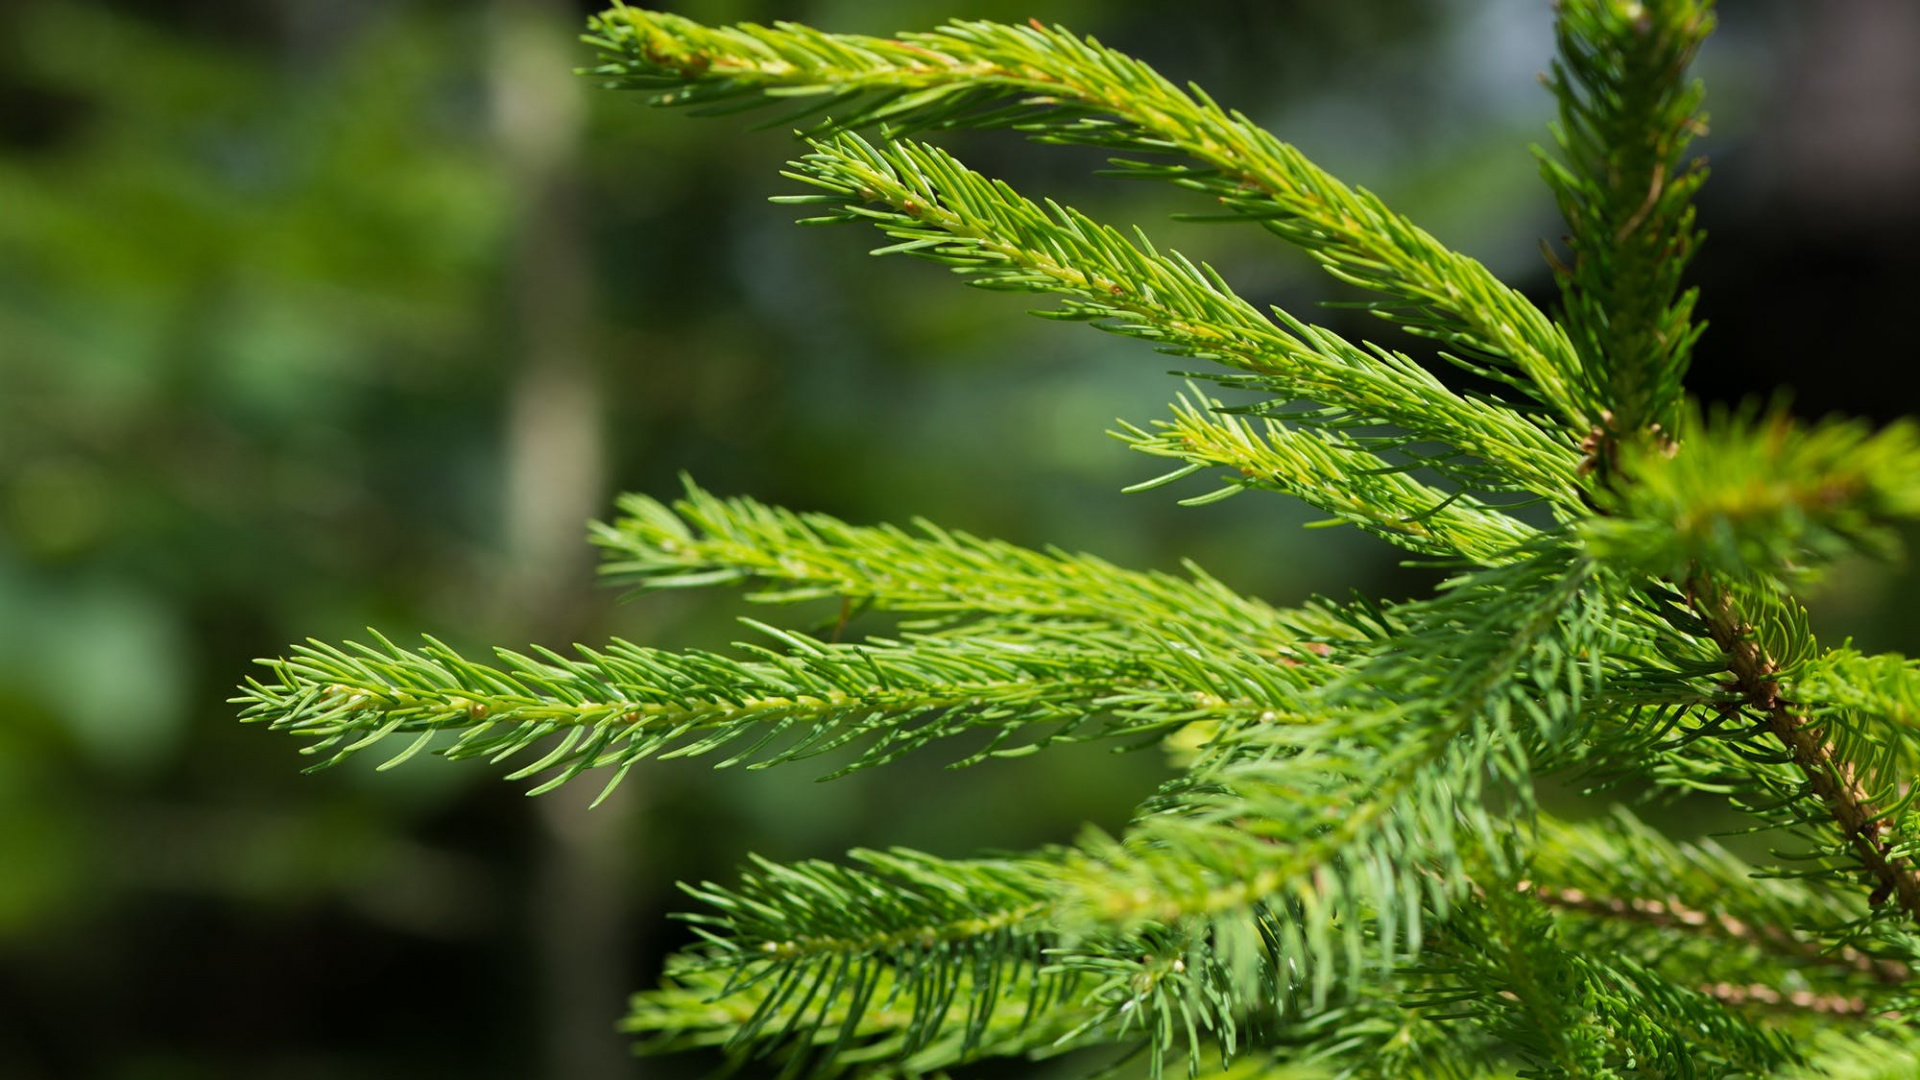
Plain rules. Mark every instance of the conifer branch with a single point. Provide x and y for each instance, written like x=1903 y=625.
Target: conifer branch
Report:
x=1668 y=913
x=1755 y=495
x=1374 y=1035
x=693 y=1008
x=1617 y=869
x=940 y=210
x=900 y=947
x=936 y=960
x=941 y=574
x=1582 y=1015
x=1760 y=994
x=613 y=708
x=1831 y=777
x=1332 y=472
x=1362 y=822
x=1627 y=114
x=1062 y=88
x=1341 y=874
x=1883 y=691
x=1754 y=498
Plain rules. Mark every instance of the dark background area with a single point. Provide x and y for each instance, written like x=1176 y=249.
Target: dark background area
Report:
x=319 y=315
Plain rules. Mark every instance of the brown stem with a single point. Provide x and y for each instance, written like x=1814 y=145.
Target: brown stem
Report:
x=1672 y=914
x=1762 y=994
x=1829 y=776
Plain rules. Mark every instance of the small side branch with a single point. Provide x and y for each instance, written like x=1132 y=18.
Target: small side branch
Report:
x=1766 y=996
x=1833 y=779
x=1670 y=913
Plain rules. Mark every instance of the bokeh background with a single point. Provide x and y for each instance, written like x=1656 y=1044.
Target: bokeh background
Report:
x=324 y=314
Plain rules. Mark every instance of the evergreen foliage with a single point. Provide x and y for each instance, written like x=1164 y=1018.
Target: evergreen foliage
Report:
x=1351 y=875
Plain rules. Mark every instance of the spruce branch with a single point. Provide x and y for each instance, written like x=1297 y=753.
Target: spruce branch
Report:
x=937 y=962
x=1502 y=965
x=1766 y=996
x=1868 y=818
x=1328 y=470
x=1749 y=498
x=693 y=1008
x=1886 y=686
x=1712 y=916
x=1627 y=114
x=1349 y=872
x=929 y=958
x=1168 y=988
x=1667 y=913
x=1360 y=825
x=945 y=576
x=1747 y=502
x=1817 y=772
x=1756 y=495
x=1389 y=1035
x=1061 y=88
x=612 y=708
x=940 y=210
x=1847 y=1053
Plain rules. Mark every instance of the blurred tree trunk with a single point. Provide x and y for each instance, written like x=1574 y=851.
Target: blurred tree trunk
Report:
x=554 y=484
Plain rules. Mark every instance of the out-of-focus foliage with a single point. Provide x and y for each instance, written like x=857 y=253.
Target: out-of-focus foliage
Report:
x=255 y=351
x=244 y=380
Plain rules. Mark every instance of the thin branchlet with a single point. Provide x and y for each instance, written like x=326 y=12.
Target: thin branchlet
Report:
x=1838 y=783
x=1675 y=914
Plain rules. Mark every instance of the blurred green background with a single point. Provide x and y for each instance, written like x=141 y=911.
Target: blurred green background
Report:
x=324 y=314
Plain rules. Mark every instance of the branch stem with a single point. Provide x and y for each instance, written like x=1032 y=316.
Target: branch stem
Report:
x=1760 y=994
x=1829 y=775
x=1672 y=913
